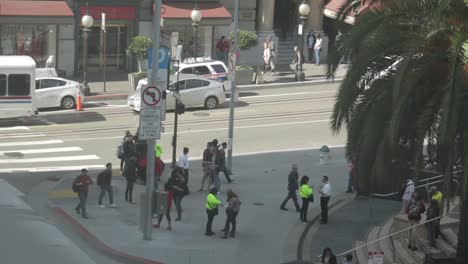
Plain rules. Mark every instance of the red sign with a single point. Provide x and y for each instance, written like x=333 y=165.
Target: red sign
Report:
x=112 y=12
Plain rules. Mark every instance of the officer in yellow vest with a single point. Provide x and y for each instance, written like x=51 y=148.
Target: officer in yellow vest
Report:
x=158 y=151
x=307 y=194
x=212 y=204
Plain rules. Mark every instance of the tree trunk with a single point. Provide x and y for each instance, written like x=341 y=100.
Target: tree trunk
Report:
x=139 y=65
x=462 y=250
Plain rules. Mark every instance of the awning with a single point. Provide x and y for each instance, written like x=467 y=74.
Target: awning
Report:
x=35 y=8
x=179 y=13
x=333 y=7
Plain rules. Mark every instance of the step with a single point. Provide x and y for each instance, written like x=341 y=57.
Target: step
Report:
x=386 y=243
x=450 y=236
x=361 y=254
x=372 y=235
x=402 y=253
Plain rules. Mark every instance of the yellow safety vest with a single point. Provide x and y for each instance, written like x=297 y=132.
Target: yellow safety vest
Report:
x=212 y=202
x=158 y=150
x=438 y=197
x=305 y=191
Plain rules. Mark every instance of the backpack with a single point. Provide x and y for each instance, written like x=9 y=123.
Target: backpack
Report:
x=75 y=187
x=119 y=152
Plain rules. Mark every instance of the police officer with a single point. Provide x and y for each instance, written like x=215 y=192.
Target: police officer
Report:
x=212 y=204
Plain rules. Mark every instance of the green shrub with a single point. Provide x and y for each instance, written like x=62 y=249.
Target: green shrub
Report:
x=247 y=39
x=139 y=47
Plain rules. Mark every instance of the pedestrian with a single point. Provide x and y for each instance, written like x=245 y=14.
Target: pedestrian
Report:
x=293 y=186
x=437 y=195
x=407 y=194
x=318 y=49
x=129 y=174
x=207 y=164
x=307 y=195
x=214 y=170
x=271 y=48
x=211 y=205
x=310 y=45
x=81 y=187
x=328 y=257
x=432 y=213
x=104 y=179
x=297 y=58
x=129 y=149
x=179 y=187
x=351 y=172
x=179 y=51
x=222 y=162
x=121 y=152
x=170 y=196
x=222 y=47
x=266 y=57
x=414 y=210
x=184 y=164
x=232 y=210
x=348 y=259
x=325 y=194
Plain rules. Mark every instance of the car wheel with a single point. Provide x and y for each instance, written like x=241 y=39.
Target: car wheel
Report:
x=211 y=102
x=68 y=102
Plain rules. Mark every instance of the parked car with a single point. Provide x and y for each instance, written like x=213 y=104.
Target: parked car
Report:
x=194 y=92
x=57 y=92
x=204 y=66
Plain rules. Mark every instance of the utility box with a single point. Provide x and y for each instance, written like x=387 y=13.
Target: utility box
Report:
x=439 y=258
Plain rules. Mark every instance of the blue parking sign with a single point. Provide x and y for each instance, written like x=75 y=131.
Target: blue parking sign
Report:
x=163 y=58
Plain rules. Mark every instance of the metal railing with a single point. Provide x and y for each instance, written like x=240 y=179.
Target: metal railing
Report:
x=388 y=236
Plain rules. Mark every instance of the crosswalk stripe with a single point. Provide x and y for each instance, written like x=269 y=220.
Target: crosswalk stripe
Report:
x=31 y=143
x=39 y=151
x=45 y=169
x=23 y=135
x=14 y=128
x=49 y=159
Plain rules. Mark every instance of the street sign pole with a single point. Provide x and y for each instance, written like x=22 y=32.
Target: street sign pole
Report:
x=148 y=221
x=232 y=99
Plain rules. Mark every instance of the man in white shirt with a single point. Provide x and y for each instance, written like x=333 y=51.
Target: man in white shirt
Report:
x=325 y=194
x=179 y=51
x=183 y=163
x=318 y=49
x=408 y=194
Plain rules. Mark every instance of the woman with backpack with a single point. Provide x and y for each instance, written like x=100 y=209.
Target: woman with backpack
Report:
x=129 y=174
x=180 y=189
x=414 y=210
x=170 y=193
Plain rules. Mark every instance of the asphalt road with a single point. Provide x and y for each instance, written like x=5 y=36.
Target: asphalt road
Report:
x=269 y=120
x=34 y=152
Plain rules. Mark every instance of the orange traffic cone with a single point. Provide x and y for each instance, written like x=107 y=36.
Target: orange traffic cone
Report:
x=79 y=106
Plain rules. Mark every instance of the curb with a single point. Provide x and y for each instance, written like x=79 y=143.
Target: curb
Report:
x=95 y=241
x=248 y=87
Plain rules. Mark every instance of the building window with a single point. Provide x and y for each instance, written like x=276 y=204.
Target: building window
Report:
x=37 y=41
x=3 y=85
x=19 y=84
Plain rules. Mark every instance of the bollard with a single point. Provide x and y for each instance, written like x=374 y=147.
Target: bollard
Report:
x=324 y=155
x=79 y=106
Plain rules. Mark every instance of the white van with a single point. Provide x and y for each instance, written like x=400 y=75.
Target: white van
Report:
x=17 y=86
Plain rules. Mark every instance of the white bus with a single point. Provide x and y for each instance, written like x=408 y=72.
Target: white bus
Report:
x=17 y=86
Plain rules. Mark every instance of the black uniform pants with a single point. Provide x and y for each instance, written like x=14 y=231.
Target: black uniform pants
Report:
x=304 y=209
x=324 y=206
x=211 y=214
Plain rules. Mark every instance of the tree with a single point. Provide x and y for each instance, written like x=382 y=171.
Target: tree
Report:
x=406 y=87
x=139 y=47
x=246 y=39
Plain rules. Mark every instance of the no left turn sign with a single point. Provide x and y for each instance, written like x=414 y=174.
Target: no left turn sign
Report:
x=151 y=96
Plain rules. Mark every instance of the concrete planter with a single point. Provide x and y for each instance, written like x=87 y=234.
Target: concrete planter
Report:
x=244 y=76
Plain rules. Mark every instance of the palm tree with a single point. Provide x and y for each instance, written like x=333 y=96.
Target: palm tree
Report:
x=406 y=88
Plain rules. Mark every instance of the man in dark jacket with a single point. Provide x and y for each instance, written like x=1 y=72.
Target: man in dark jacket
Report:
x=293 y=186
x=104 y=181
x=82 y=182
x=222 y=162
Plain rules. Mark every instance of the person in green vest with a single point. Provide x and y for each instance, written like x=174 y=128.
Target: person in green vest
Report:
x=212 y=204
x=307 y=194
x=158 y=151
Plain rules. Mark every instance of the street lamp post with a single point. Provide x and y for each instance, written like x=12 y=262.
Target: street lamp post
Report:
x=304 y=10
x=87 y=22
x=196 y=17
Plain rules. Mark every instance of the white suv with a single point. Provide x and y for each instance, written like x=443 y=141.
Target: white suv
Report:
x=204 y=66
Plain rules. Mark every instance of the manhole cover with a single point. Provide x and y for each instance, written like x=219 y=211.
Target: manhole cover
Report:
x=258 y=204
x=14 y=154
x=201 y=114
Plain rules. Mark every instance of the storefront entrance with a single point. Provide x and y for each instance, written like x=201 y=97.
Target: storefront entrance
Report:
x=113 y=55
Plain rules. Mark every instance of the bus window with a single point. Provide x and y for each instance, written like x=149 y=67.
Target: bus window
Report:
x=3 y=85
x=19 y=84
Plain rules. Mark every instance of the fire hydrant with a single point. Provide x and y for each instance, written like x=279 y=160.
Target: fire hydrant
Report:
x=324 y=155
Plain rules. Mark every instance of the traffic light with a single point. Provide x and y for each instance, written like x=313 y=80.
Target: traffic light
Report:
x=180 y=108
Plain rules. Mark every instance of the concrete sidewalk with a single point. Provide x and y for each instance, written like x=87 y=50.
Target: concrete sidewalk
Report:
x=117 y=85
x=265 y=233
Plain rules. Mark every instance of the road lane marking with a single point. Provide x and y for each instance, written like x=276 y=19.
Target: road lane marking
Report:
x=61 y=193
x=49 y=159
x=45 y=169
x=31 y=143
x=284 y=94
x=40 y=151
x=14 y=128
x=22 y=135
